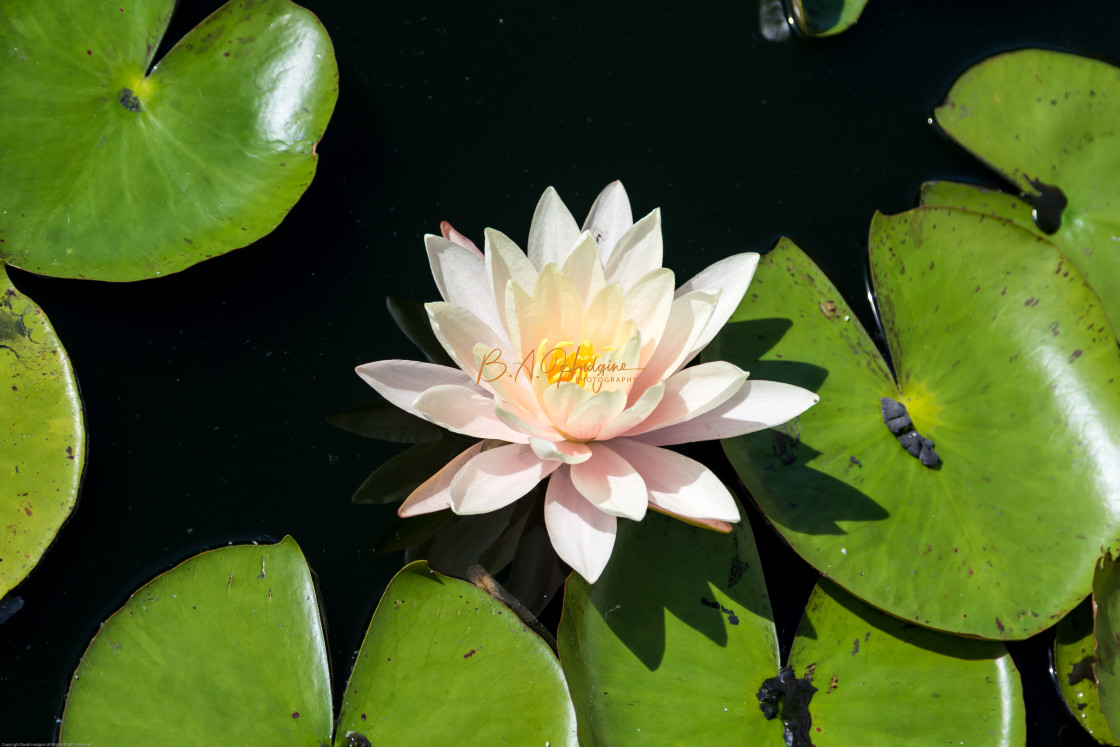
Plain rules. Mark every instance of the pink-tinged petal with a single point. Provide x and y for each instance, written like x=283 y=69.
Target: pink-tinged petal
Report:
x=648 y=303
x=609 y=218
x=534 y=427
x=505 y=262
x=611 y=483
x=434 y=494
x=730 y=278
x=634 y=414
x=568 y=452
x=467 y=411
x=693 y=392
x=584 y=267
x=638 y=252
x=460 y=332
x=452 y=235
x=678 y=484
x=401 y=382
x=582 y=535
x=687 y=317
x=552 y=232
x=587 y=420
x=459 y=273
x=497 y=478
x=757 y=405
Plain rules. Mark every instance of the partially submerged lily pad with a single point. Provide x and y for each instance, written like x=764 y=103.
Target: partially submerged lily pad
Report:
x=42 y=435
x=881 y=681
x=1074 y=657
x=675 y=641
x=1106 y=632
x=825 y=17
x=117 y=170
x=1046 y=120
x=228 y=648
x=1004 y=359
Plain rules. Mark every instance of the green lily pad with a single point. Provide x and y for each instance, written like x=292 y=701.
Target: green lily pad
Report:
x=117 y=170
x=1005 y=360
x=226 y=648
x=1046 y=119
x=1106 y=631
x=1074 y=657
x=673 y=640
x=825 y=17
x=42 y=446
x=444 y=663
x=882 y=681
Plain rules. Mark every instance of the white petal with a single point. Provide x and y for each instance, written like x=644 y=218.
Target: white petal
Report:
x=687 y=317
x=609 y=218
x=584 y=267
x=611 y=483
x=678 y=484
x=693 y=392
x=638 y=252
x=552 y=232
x=505 y=262
x=582 y=535
x=648 y=302
x=465 y=410
x=434 y=494
x=401 y=382
x=460 y=332
x=520 y=421
x=730 y=278
x=568 y=452
x=497 y=478
x=459 y=274
x=757 y=405
x=633 y=415
x=587 y=420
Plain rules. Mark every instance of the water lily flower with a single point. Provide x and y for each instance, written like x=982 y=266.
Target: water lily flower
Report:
x=572 y=366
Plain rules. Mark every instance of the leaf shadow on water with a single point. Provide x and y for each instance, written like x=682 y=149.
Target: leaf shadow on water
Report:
x=664 y=569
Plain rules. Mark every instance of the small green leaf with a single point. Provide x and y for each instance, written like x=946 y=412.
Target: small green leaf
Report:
x=1106 y=632
x=444 y=663
x=882 y=681
x=1074 y=657
x=117 y=170
x=42 y=436
x=225 y=648
x=980 y=200
x=1046 y=120
x=1005 y=360
x=825 y=17
x=666 y=646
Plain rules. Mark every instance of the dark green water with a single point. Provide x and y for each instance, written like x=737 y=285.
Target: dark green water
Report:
x=206 y=391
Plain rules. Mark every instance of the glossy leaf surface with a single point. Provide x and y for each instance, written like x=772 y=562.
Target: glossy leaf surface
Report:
x=1046 y=119
x=882 y=681
x=1005 y=360
x=225 y=648
x=673 y=640
x=42 y=435
x=825 y=17
x=117 y=170
x=445 y=663
x=1074 y=657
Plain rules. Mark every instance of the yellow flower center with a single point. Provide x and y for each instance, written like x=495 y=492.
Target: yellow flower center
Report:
x=558 y=363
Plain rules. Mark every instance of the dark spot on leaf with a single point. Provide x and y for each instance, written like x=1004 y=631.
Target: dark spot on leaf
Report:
x=1048 y=206
x=69 y=449
x=1032 y=301
x=295 y=714
x=129 y=100
x=791 y=697
x=354 y=739
x=470 y=653
x=856 y=462
x=999 y=625
x=1076 y=354
x=855 y=649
